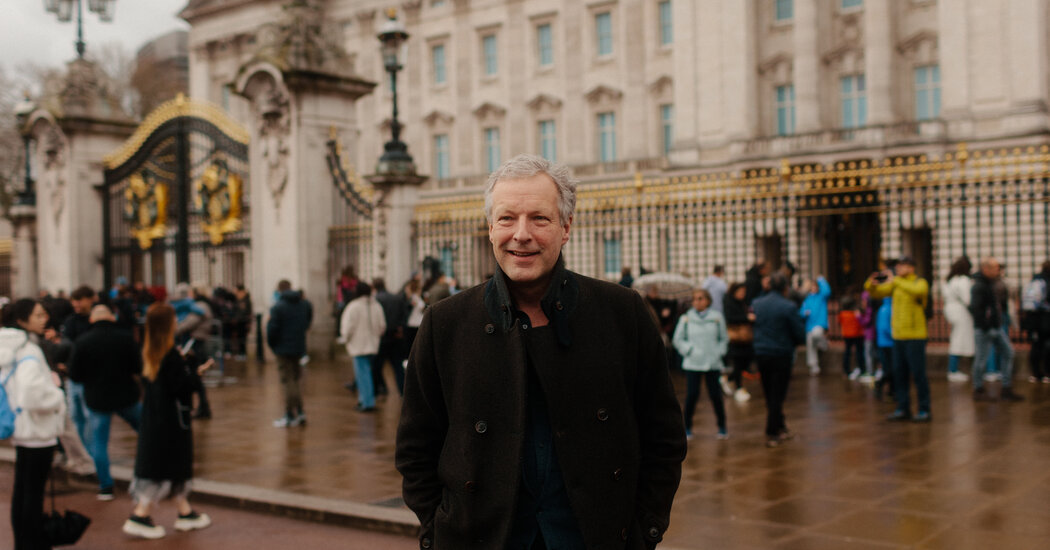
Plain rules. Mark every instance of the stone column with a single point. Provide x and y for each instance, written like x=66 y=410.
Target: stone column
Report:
x=24 y=283
x=878 y=61
x=806 y=63
x=396 y=198
x=741 y=77
x=954 y=51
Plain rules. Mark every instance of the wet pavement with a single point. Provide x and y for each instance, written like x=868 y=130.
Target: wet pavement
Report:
x=975 y=477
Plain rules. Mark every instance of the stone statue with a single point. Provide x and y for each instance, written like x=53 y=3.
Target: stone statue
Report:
x=272 y=108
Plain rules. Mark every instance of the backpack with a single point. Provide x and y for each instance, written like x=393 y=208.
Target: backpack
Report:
x=1033 y=297
x=7 y=416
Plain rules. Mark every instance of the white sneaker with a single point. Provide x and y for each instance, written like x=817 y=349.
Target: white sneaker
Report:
x=866 y=379
x=726 y=390
x=143 y=527
x=304 y=360
x=855 y=374
x=741 y=395
x=284 y=422
x=992 y=377
x=878 y=374
x=192 y=521
x=958 y=376
x=814 y=371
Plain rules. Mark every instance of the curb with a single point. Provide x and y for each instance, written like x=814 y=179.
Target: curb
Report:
x=329 y=511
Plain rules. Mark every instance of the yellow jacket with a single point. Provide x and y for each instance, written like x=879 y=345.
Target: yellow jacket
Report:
x=909 y=302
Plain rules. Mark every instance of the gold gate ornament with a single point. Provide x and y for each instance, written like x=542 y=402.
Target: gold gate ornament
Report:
x=147 y=207
x=219 y=201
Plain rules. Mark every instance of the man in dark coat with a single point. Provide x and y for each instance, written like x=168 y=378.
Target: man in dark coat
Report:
x=392 y=344
x=290 y=318
x=107 y=362
x=538 y=409
x=75 y=326
x=988 y=299
x=778 y=330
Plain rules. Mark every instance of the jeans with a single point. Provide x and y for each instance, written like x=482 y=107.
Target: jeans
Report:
x=714 y=391
x=776 y=374
x=852 y=344
x=815 y=341
x=78 y=410
x=98 y=424
x=909 y=361
x=366 y=398
x=953 y=363
x=985 y=341
x=32 y=467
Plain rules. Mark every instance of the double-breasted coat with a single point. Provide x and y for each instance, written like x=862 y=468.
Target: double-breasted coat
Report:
x=618 y=428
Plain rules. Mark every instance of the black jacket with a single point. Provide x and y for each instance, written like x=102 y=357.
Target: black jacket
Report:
x=986 y=304
x=618 y=428
x=76 y=325
x=289 y=320
x=165 y=446
x=107 y=362
x=395 y=310
x=779 y=328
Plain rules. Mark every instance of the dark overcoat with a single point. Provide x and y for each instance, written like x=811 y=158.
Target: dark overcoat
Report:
x=165 y=447
x=618 y=428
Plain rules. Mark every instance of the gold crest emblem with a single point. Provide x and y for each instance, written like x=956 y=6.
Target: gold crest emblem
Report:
x=146 y=206
x=218 y=201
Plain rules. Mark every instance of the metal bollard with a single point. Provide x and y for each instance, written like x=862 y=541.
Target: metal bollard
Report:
x=259 y=355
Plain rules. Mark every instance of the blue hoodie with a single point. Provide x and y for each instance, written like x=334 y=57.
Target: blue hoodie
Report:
x=816 y=304
x=883 y=328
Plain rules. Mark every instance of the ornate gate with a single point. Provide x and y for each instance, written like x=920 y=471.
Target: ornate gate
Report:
x=175 y=200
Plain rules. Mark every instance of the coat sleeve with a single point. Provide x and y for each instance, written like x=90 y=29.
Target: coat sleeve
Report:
x=680 y=340
x=661 y=432
x=273 y=327
x=917 y=288
x=824 y=289
x=35 y=389
x=879 y=291
x=797 y=327
x=422 y=430
x=723 y=337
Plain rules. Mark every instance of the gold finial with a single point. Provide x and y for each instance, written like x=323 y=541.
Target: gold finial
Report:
x=332 y=133
x=180 y=99
x=785 y=169
x=638 y=184
x=961 y=155
x=391 y=13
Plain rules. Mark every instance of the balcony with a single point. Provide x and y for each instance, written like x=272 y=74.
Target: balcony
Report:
x=841 y=139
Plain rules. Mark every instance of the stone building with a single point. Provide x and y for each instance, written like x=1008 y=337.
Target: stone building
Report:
x=827 y=133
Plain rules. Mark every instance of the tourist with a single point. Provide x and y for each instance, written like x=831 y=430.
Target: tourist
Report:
x=956 y=292
x=290 y=318
x=361 y=328
x=702 y=340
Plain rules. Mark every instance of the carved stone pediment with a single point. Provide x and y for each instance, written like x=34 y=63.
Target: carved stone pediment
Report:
x=487 y=110
x=544 y=101
x=850 y=57
x=924 y=39
x=775 y=63
x=436 y=117
x=601 y=93
x=661 y=85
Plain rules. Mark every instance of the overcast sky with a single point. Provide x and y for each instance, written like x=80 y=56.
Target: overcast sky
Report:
x=28 y=33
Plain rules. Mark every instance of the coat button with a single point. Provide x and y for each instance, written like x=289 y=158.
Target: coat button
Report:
x=425 y=543
x=616 y=475
x=489 y=329
x=654 y=533
x=470 y=486
x=623 y=533
x=481 y=426
x=603 y=415
x=558 y=306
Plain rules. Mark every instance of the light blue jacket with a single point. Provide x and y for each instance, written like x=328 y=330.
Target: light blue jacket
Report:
x=701 y=339
x=815 y=307
x=883 y=322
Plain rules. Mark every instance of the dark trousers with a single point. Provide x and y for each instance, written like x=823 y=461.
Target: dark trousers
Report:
x=776 y=374
x=853 y=345
x=27 y=500
x=291 y=372
x=1040 y=355
x=390 y=349
x=692 y=395
x=740 y=356
x=886 y=357
x=909 y=362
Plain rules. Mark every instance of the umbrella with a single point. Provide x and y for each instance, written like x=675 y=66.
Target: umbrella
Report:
x=668 y=286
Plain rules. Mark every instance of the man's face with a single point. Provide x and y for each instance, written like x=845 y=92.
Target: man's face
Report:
x=991 y=269
x=903 y=269
x=526 y=229
x=83 y=305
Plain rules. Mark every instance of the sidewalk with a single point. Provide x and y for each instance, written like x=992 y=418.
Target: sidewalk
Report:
x=973 y=478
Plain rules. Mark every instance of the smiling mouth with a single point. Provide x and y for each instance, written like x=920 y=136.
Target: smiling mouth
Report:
x=521 y=254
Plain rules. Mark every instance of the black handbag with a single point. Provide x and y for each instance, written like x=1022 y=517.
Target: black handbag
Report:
x=63 y=528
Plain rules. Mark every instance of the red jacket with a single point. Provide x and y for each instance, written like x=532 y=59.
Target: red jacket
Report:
x=849 y=321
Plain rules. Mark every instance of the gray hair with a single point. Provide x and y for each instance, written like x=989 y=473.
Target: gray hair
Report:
x=525 y=166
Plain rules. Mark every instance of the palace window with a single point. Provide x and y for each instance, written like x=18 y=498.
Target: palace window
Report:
x=607 y=137
x=437 y=54
x=448 y=260
x=927 y=92
x=613 y=255
x=603 y=31
x=441 y=156
x=784 y=10
x=848 y=4
x=491 y=55
x=548 y=141
x=785 y=110
x=544 y=44
x=666 y=26
x=667 y=126
x=854 y=101
x=492 y=153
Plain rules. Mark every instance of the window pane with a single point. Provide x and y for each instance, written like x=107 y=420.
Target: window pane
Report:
x=547 y=140
x=491 y=61
x=603 y=25
x=447 y=261
x=852 y=3
x=438 y=54
x=543 y=39
x=607 y=137
x=667 y=123
x=666 y=28
x=492 y=149
x=612 y=256
x=785 y=110
x=784 y=10
x=441 y=168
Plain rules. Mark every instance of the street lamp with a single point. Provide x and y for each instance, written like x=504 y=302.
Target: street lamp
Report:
x=24 y=108
x=395 y=159
x=63 y=10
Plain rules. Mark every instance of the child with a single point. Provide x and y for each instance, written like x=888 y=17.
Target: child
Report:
x=884 y=340
x=853 y=335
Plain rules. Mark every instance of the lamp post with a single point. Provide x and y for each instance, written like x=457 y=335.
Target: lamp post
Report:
x=27 y=196
x=63 y=9
x=395 y=158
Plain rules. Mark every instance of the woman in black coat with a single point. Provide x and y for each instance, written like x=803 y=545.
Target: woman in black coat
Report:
x=741 y=349
x=164 y=459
